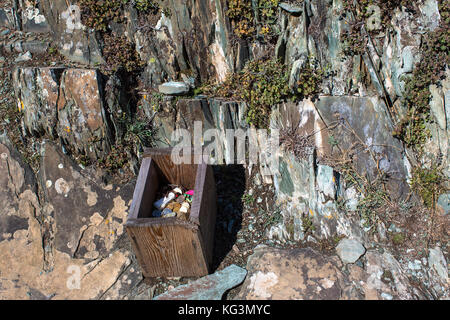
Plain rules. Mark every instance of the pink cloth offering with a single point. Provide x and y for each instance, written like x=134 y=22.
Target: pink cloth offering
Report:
x=190 y=192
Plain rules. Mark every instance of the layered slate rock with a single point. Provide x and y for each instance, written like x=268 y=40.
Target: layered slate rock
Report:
x=383 y=277
x=69 y=33
x=67 y=104
x=335 y=127
x=21 y=251
x=82 y=121
x=37 y=93
x=443 y=204
x=17 y=189
x=33 y=20
x=328 y=118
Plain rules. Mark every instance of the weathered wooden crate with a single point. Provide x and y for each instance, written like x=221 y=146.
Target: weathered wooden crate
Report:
x=170 y=247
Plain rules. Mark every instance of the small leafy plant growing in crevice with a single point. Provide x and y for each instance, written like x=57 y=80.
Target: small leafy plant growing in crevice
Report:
x=146 y=6
x=98 y=14
x=248 y=199
x=300 y=145
x=307 y=224
x=412 y=128
x=262 y=84
x=428 y=183
x=246 y=25
x=310 y=79
x=119 y=53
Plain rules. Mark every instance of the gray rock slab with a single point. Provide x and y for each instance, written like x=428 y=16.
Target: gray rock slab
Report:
x=211 y=287
x=35 y=46
x=436 y=260
x=350 y=250
x=291 y=8
x=36 y=27
x=24 y=57
x=4 y=21
x=293 y=274
x=443 y=203
x=173 y=88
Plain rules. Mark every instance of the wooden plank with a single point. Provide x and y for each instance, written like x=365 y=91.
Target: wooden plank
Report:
x=168 y=251
x=208 y=211
x=147 y=222
x=180 y=174
x=144 y=193
x=204 y=208
x=198 y=194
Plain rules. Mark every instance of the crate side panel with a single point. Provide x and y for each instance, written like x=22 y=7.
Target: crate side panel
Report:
x=145 y=190
x=181 y=174
x=168 y=251
x=207 y=213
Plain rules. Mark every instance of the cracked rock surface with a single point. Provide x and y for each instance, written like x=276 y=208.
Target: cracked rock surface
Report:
x=64 y=241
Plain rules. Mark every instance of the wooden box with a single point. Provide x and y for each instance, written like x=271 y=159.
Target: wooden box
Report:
x=171 y=247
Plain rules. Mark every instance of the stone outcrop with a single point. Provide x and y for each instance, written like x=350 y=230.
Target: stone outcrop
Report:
x=210 y=287
x=193 y=40
x=37 y=92
x=437 y=146
x=74 y=41
x=82 y=122
x=305 y=274
x=65 y=103
x=60 y=246
x=97 y=213
x=337 y=118
x=336 y=130
x=299 y=274
x=350 y=250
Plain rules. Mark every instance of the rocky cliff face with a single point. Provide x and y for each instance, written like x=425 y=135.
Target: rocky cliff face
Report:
x=359 y=95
